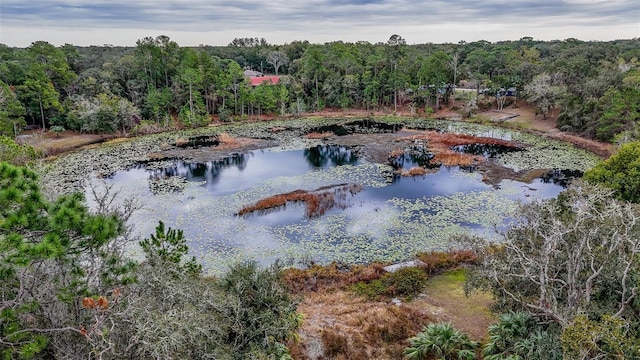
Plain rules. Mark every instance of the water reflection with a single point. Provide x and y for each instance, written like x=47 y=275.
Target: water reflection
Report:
x=561 y=177
x=323 y=156
x=416 y=156
x=359 y=127
x=242 y=171
x=406 y=211
x=201 y=171
x=489 y=151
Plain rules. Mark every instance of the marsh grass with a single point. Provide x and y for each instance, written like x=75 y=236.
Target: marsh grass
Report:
x=350 y=327
x=441 y=146
x=332 y=276
x=317 y=202
x=225 y=138
x=319 y=136
x=437 y=262
x=414 y=171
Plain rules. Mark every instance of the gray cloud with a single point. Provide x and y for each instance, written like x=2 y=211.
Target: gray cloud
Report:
x=327 y=20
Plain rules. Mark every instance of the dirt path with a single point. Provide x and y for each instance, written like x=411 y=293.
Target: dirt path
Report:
x=523 y=117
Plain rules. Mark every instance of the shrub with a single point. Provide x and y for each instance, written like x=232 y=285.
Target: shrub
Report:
x=441 y=341
x=225 y=115
x=437 y=262
x=621 y=172
x=57 y=129
x=518 y=335
x=15 y=153
x=405 y=282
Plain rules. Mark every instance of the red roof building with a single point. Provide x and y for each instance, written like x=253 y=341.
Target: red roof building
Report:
x=269 y=80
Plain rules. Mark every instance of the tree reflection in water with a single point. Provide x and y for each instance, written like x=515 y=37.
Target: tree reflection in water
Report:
x=200 y=171
x=323 y=156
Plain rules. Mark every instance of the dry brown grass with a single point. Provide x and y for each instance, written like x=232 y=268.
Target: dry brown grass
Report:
x=182 y=142
x=339 y=325
x=396 y=153
x=319 y=136
x=414 y=171
x=226 y=139
x=452 y=158
x=436 y=262
x=448 y=139
x=332 y=276
x=317 y=202
x=441 y=144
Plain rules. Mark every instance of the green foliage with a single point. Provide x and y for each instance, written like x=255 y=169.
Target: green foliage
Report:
x=518 y=336
x=407 y=281
x=57 y=129
x=544 y=93
x=441 y=341
x=619 y=110
x=11 y=112
x=169 y=247
x=266 y=316
x=102 y=114
x=52 y=254
x=609 y=338
x=16 y=154
x=621 y=172
x=59 y=260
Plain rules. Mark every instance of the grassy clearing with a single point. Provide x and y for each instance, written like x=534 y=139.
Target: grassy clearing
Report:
x=446 y=301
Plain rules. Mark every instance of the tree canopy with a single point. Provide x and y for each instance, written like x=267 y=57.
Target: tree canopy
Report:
x=594 y=85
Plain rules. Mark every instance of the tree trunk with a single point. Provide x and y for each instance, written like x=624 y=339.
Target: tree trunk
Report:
x=42 y=115
x=190 y=105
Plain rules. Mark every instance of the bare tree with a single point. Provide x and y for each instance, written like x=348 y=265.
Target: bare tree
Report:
x=277 y=59
x=544 y=93
x=568 y=256
x=454 y=66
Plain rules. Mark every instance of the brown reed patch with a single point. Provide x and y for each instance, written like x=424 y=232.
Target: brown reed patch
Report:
x=333 y=276
x=414 y=171
x=226 y=139
x=449 y=139
x=437 y=262
x=344 y=326
x=396 y=153
x=317 y=202
x=452 y=158
x=319 y=136
x=441 y=145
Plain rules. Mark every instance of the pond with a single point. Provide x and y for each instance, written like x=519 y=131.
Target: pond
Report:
x=371 y=212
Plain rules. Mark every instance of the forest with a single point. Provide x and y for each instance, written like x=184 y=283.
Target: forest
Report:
x=561 y=282
x=104 y=89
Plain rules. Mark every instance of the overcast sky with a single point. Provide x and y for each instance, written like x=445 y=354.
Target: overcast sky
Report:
x=214 y=22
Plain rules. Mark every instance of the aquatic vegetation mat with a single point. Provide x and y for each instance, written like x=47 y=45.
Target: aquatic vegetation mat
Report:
x=388 y=218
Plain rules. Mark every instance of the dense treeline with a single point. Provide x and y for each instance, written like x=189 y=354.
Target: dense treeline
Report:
x=596 y=85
